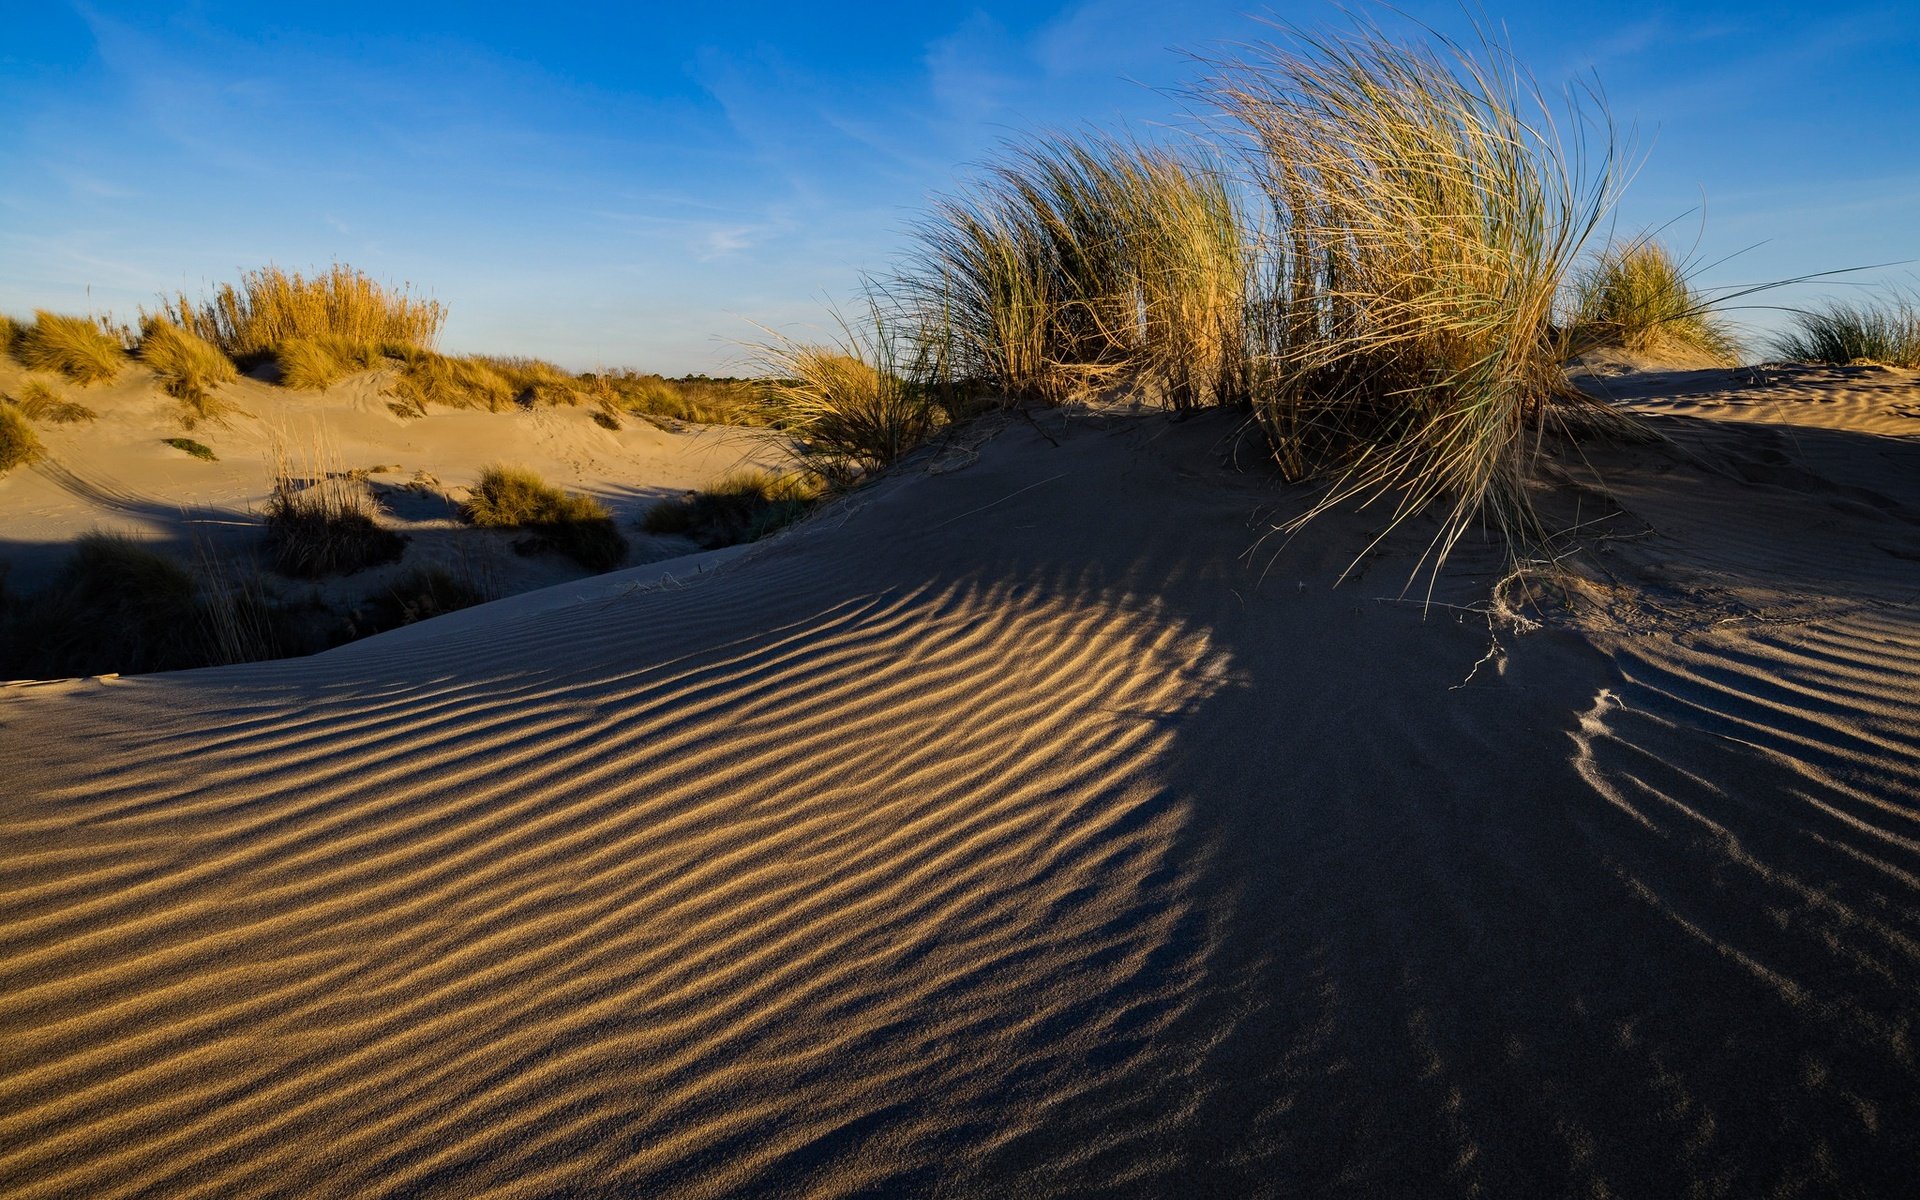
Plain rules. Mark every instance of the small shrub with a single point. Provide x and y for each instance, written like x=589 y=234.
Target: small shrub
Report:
x=116 y=606
x=189 y=368
x=326 y=526
x=18 y=443
x=741 y=507
x=578 y=526
x=1635 y=296
x=272 y=307
x=1887 y=332
x=199 y=450
x=37 y=401
x=78 y=347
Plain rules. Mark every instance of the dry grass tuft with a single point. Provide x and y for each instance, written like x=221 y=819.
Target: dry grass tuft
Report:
x=18 y=443
x=1885 y=332
x=38 y=401
x=855 y=407
x=1080 y=263
x=189 y=368
x=1635 y=296
x=1426 y=207
x=81 y=348
x=744 y=506
x=272 y=307
x=315 y=364
x=324 y=522
x=578 y=526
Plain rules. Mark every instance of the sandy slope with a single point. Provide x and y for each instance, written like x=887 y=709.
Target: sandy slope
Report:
x=118 y=474
x=1016 y=830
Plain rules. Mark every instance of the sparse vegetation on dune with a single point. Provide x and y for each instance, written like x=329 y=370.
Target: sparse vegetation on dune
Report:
x=37 y=400
x=325 y=524
x=579 y=527
x=199 y=450
x=116 y=606
x=1886 y=332
x=1636 y=297
x=741 y=507
x=856 y=406
x=189 y=368
x=272 y=307
x=80 y=348
x=19 y=445
x=1079 y=263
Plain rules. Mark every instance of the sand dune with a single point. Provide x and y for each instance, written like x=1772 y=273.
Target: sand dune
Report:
x=1032 y=827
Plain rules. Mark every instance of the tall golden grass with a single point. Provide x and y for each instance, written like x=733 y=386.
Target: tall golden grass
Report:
x=189 y=368
x=83 y=349
x=1634 y=295
x=18 y=443
x=1082 y=262
x=857 y=405
x=271 y=307
x=37 y=400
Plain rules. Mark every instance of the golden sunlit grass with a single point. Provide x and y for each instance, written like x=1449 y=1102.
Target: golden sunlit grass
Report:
x=854 y=407
x=189 y=368
x=741 y=507
x=18 y=443
x=578 y=526
x=1635 y=296
x=1427 y=207
x=79 y=348
x=37 y=400
x=271 y=307
x=1083 y=262
x=1886 y=332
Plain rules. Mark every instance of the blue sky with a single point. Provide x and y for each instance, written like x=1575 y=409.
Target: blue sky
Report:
x=642 y=185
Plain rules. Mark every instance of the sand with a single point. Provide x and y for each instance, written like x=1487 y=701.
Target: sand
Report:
x=1034 y=822
x=118 y=474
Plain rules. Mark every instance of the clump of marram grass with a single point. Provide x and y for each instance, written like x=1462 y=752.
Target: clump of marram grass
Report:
x=325 y=522
x=1636 y=297
x=315 y=364
x=81 y=348
x=422 y=378
x=857 y=406
x=272 y=307
x=579 y=527
x=420 y=595
x=38 y=401
x=19 y=445
x=1426 y=208
x=186 y=445
x=696 y=398
x=744 y=506
x=189 y=368
x=115 y=606
x=1886 y=332
x=1083 y=262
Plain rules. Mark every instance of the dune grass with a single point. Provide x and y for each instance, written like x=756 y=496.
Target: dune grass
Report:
x=1427 y=206
x=1636 y=297
x=189 y=368
x=858 y=405
x=1886 y=332
x=579 y=527
x=323 y=522
x=186 y=445
x=80 y=348
x=1082 y=262
x=743 y=506
x=37 y=400
x=19 y=445
x=271 y=307
x=116 y=606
